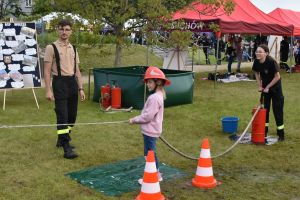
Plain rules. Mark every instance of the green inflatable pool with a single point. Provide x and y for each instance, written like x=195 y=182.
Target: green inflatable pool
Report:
x=130 y=79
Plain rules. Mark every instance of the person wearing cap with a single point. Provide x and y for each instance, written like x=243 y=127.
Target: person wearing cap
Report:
x=151 y=118
x=269 y=83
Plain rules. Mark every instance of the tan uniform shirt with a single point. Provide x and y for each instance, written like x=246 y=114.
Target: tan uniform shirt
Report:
x=66 y=54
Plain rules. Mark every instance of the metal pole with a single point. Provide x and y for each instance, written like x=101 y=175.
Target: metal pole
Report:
x=292 y=55
x=200 y=47
x=178 y=61
x=147 y=55
x=37 y=104
x=89 y=84
x=4 y=98
x=216 y=66
x=192 y=59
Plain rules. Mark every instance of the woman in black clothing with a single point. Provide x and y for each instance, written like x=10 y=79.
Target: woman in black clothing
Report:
x=269 y=83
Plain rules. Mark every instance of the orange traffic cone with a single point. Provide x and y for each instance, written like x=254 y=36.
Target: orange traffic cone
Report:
x=204 y=175
x=150 y=187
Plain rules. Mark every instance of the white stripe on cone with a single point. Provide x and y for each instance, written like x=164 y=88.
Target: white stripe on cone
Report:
x=150 y=188
x=150 y=167
x=204 y=171
x=205 y=153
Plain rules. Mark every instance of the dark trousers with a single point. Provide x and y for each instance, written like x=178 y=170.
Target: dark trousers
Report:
x=218 y=57
x=297 y=59
x=205 y=50
x=65 y=91
x=283 y=61
x=277 y=99
x=230 y=61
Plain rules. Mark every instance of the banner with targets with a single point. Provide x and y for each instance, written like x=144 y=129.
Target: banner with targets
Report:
x=19 y=63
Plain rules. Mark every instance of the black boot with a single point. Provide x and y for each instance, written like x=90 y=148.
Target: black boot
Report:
x=280 y=134
x=69 y=137
x=59 y=143
x=68 y=152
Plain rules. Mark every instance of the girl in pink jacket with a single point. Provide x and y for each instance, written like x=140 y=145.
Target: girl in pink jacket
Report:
x=151 y=117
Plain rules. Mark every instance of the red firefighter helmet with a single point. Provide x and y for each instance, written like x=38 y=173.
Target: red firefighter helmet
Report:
x=155 y=73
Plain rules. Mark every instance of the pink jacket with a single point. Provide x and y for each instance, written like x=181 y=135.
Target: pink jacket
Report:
x=152 y=115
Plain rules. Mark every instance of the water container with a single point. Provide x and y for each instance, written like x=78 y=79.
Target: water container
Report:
x=230 y=124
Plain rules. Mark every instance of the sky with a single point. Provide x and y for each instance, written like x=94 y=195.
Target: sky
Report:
x=269 y=5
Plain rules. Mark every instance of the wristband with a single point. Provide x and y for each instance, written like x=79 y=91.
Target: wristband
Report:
x=79 y=89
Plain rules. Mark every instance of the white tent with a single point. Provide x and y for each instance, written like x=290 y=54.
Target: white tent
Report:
x=54 y=15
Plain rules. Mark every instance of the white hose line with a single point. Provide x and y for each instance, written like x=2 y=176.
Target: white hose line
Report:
x=241 y=137
x=176 y=150
x=49 y=125
x=126 y=121
x=226 y=151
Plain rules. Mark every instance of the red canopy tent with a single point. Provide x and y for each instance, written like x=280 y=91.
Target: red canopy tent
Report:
x=288 y=16
x=246 y=18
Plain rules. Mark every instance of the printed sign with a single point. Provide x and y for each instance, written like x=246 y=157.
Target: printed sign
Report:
x=19 y=63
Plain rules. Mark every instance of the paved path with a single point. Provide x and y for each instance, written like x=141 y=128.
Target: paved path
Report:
x=211 y=68
x=196 y=68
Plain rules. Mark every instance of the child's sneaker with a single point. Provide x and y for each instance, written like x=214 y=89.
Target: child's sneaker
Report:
x=140 y=181
x=160 y=178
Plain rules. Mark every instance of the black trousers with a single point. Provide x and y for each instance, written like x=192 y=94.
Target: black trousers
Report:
x=283 y=61
x=277 y=99
x=205 y=50
x=65 y=91
x=284 y=57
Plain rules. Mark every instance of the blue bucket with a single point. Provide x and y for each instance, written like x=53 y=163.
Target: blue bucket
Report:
x=230 y=124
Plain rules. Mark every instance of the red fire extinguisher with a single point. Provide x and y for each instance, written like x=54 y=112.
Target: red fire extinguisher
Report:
x=105 y=96
x=115 y=96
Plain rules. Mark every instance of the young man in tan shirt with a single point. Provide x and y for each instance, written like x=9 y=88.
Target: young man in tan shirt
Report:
x=62 y=61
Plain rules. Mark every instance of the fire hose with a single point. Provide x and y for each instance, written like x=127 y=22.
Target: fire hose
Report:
x=126 y=121
x=49 y=125
x=221 y=154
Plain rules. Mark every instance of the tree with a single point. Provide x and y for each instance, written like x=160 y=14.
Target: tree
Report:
x=173 y=5
x=116 y=13
x=142 y=15
x=43 y=7
x=9 y=8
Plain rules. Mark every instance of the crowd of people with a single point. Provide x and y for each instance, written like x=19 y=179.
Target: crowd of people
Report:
x=233 y=48
x=236 y=48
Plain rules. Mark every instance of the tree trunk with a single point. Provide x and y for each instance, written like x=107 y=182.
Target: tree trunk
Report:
x=118 y=54
x=119 y=42
x=1 y=9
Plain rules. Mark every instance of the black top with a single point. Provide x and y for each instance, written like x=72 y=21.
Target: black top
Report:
x=230 y=50
x=284 y=47
x=267 y=71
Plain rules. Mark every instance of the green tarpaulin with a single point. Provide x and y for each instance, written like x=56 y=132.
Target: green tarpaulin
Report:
x=120 y=177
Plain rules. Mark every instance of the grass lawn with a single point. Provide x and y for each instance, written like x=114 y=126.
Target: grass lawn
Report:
x=33 y=168
x=104 y=57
